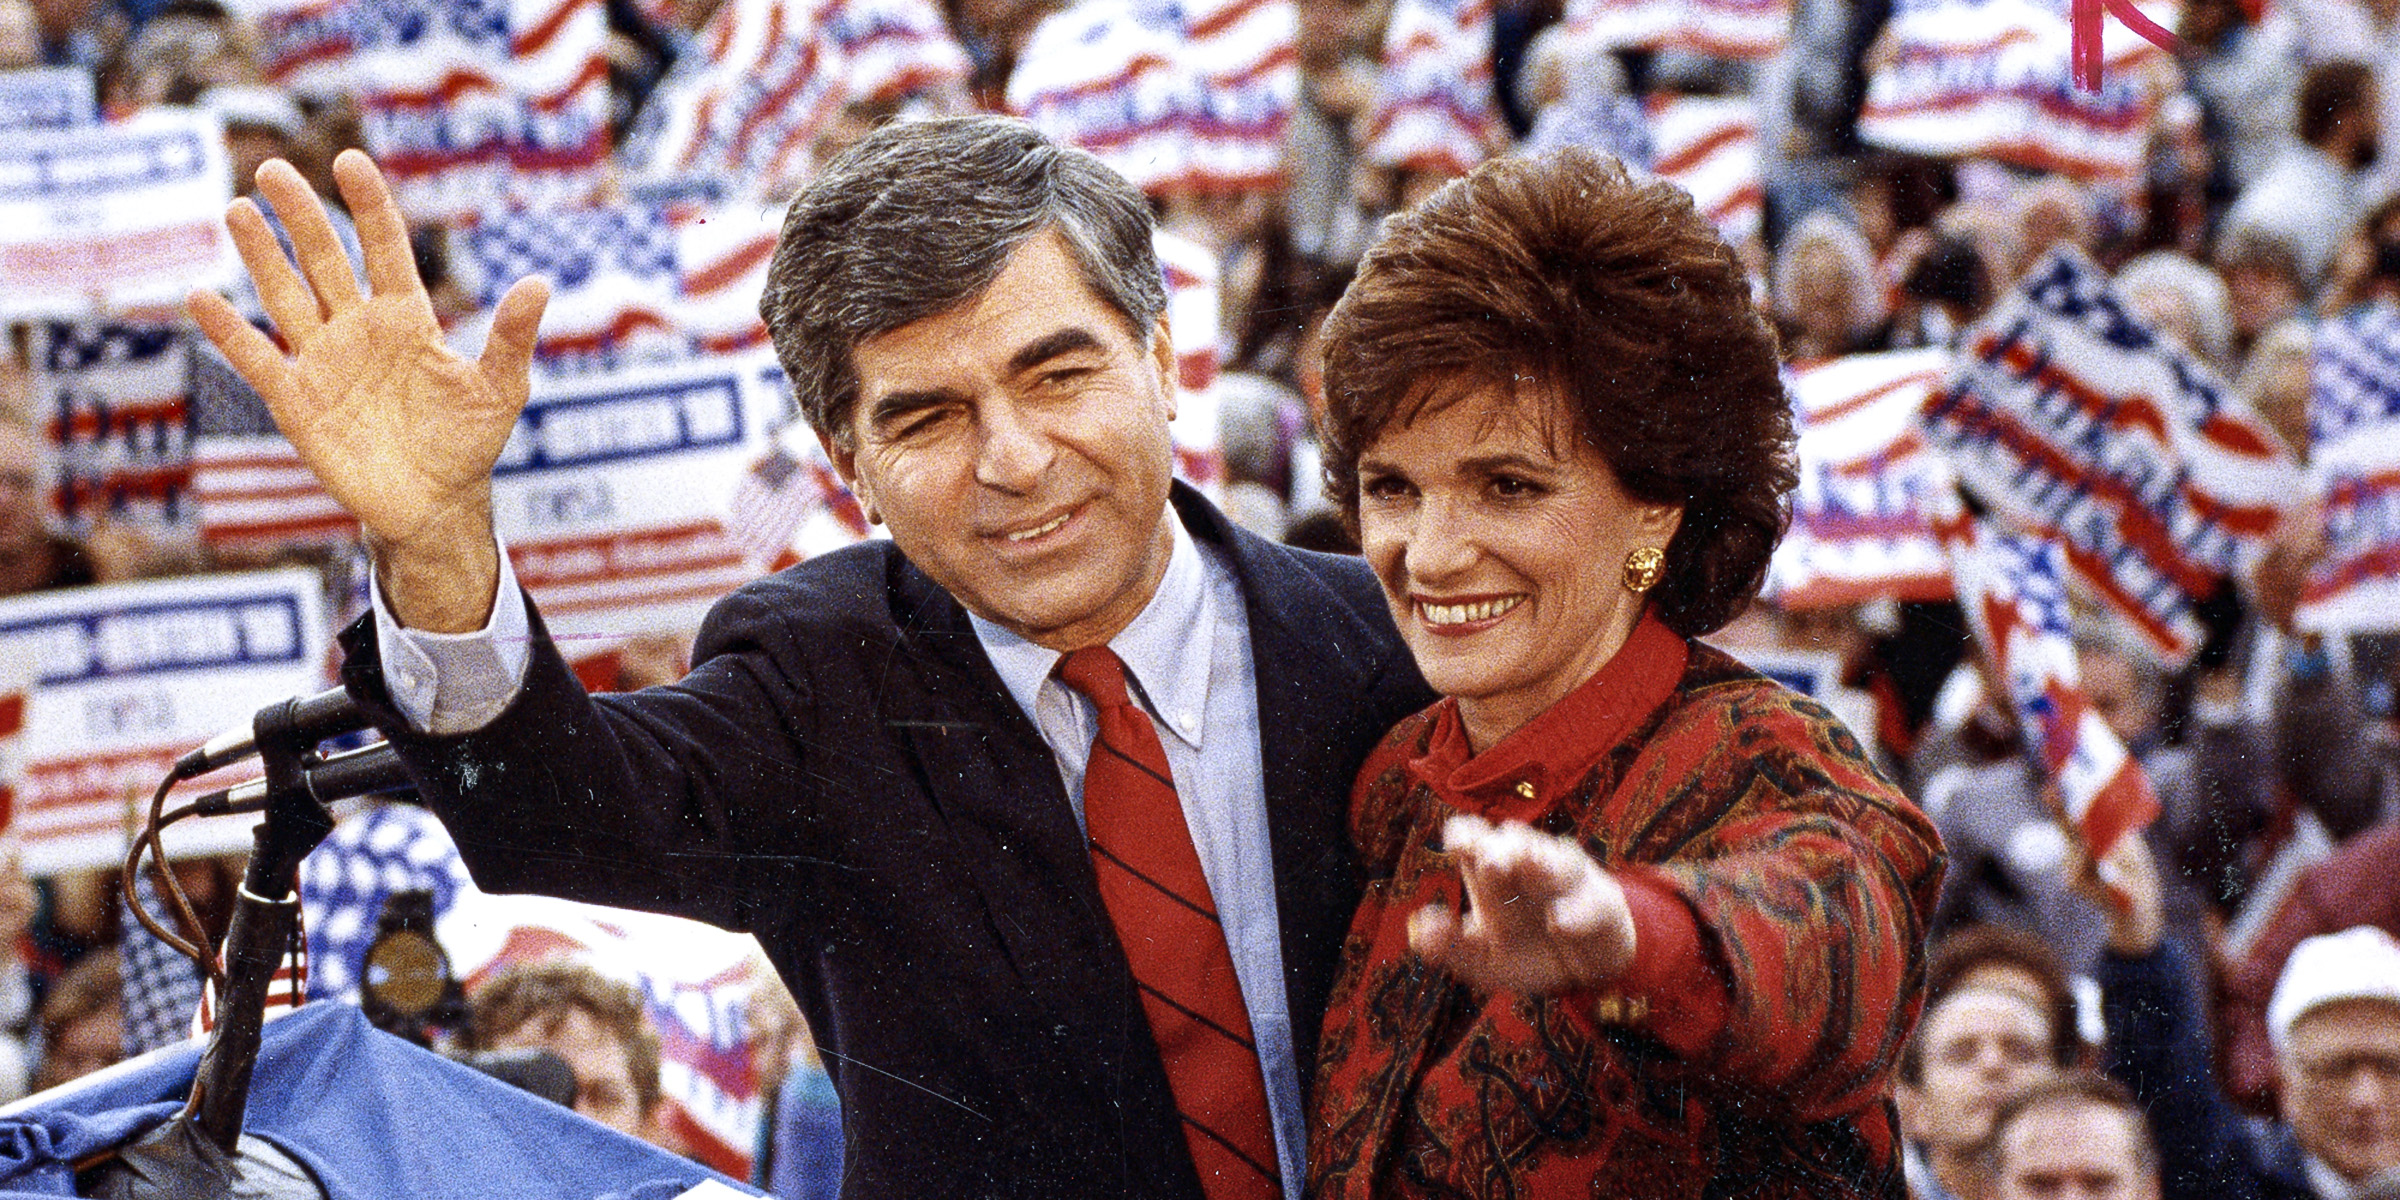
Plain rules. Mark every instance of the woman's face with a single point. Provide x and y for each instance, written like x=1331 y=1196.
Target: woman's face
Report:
x=1500 y=540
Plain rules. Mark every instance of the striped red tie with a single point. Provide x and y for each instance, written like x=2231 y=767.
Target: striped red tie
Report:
x=1150 y=878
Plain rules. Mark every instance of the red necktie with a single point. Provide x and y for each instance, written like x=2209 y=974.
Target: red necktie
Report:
x=1150 y=878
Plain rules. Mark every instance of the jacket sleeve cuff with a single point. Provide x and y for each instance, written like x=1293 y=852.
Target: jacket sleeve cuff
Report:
x=1670 y=989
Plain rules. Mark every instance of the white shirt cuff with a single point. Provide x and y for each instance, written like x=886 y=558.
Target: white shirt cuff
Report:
x=451 y=683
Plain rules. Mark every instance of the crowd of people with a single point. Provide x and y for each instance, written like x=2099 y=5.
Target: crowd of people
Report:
x=2213 y=1009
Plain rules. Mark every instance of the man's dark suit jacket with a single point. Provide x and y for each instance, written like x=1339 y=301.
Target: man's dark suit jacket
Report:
x=845 y=776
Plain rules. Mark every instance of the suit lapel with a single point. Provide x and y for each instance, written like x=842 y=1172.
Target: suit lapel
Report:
x=995 y=785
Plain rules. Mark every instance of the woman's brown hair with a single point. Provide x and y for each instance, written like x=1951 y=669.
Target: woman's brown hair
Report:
x=1566 y=272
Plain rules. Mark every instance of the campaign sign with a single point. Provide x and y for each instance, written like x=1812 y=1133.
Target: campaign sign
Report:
x=113 y=216
x=128 y=677
x=611 y=494
x=47 y=98
x=2072 y=418
x=115 y=396
x=1870 y=488
x=2354 y=464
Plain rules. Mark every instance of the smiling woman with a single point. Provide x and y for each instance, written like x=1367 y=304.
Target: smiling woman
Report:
x=1639 y=922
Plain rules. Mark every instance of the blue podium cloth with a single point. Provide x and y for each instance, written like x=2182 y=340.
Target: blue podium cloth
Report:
x=374 y=1117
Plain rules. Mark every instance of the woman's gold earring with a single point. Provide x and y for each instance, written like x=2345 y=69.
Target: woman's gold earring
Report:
x=1643 y=567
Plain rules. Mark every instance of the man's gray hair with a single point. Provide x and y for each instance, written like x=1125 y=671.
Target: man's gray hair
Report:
x=919 y=218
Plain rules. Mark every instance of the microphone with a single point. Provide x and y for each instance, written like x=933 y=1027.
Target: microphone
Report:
x=329 y=713
x=359 y=772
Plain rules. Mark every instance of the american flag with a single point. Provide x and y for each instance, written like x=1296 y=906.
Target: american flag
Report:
x=777 y=495
x=1434 y=109
x=252 y=491
x=2354 y=469
x=468 y=105
x=1993 y=79
x=1743 y=29
x=2015 y=597
x=2069 y=416
x=115 y=397
x=1870 y=488
x=1175 y=96
x=743 y=113
x=630 y=282
x=1706 y=145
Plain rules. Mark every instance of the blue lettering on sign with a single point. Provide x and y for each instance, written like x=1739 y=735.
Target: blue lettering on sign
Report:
x=82 y=165
x=604 y=427
x=154 y=639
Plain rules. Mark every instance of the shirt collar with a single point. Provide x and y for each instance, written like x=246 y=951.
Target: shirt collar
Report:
x=1517 y=779
x=2326 y=1182
x=1169 y=672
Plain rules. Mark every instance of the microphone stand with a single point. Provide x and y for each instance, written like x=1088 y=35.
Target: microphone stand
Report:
x=265 y=912
x=201 y=1152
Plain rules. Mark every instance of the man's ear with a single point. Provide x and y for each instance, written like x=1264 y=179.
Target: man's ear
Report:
x=1162 y=357
x=845 y=464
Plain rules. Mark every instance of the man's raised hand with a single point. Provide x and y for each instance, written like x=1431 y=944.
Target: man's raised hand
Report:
x=401 y=430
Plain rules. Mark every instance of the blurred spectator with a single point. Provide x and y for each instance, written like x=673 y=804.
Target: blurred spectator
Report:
x=2077 y=1137
x=595 y=1023
x=2048 y=210
x=1974 y=1049
x=2356 y=886
x=188 y=48
x=2275 y=381
x=260 y=123
x=1826 y=293
x=2308 y=196
x=2005 y=959
x=82 y=1021
x=2263 y=281
x=2243 y=70
x=2185 y=299
x=2335 y=1024
x=32 y=558
x=2368 y=269
x=20 y=35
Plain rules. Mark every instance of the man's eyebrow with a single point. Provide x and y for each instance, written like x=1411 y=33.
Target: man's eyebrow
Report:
x=1043 y=349
x=892 y=406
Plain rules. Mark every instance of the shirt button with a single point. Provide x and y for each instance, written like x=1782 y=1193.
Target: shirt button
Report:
x=1525 y=788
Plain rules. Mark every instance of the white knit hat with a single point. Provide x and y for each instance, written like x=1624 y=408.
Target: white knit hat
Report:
x=2360 y=963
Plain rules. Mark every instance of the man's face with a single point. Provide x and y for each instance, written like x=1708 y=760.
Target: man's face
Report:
x=2073 y=1149
x=1978 y=1048
x=2341 y=1085
x=604 y=1088
x=1017 y=448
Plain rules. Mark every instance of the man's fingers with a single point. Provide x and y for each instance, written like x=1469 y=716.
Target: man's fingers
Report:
x=507 y=359
x=319 y=249
x=252 y=354
x=287 y=298
x=382 y=232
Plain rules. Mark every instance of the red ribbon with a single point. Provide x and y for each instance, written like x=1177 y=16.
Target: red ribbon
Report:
x=2086 y=18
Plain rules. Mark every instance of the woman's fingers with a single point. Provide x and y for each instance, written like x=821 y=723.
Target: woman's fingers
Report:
x=1541 y=915
x=382 y=231
x=286 y=296
x=318 y=248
